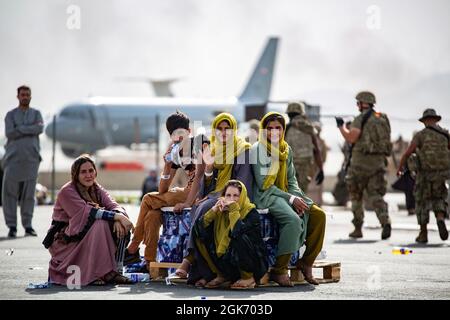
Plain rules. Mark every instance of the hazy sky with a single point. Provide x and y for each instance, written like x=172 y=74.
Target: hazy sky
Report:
x=329 y=50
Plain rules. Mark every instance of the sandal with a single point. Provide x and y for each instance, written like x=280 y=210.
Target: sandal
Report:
x=215 y=283
x=282 y=280
x=309 y=279
x=238 y=285
x=200 y=283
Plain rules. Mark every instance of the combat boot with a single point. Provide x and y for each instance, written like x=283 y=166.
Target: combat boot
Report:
x=386 y=232
x=423 y=234
x=386 y=225
x=357 y=233
x=443 y=232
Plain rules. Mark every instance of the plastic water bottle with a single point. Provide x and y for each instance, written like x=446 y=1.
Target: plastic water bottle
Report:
x=174 y=154
x=138 y=277
x=44 y=285
x=402 y=251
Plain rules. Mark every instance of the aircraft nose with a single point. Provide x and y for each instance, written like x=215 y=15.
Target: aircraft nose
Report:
x=49 y=129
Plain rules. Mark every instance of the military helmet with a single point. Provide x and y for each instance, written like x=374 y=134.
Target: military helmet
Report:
x=296 y=107
x=366 y=97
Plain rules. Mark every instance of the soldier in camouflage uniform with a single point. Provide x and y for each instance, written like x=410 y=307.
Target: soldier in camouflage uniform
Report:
x=302 y=138
x=431 y=146
x=370 y=137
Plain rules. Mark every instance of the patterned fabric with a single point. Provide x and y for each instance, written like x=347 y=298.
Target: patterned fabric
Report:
x=172 y=245
x=98 y=214
x=430 y=194
x=375 y=136
x=432 y=148
x=375 y=186
x=299 y=137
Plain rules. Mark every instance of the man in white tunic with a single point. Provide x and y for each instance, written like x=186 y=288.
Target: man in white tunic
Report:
x=23 y=125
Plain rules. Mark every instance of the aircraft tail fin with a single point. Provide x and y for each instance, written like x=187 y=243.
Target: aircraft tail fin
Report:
x=257 y=90
x=162 y=87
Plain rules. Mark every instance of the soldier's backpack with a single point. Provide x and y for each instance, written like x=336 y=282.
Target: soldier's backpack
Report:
x=376 y=137
x=300 y=142
x=434 y=153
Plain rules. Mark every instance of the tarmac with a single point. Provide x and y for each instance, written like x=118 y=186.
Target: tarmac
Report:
x=369 y=269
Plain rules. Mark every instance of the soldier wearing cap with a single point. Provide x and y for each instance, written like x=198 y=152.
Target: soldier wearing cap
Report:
x=431 y=145
x=302 y=138
x=371 y=144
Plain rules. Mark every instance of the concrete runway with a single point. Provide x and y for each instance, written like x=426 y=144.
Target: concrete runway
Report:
x=369 y=270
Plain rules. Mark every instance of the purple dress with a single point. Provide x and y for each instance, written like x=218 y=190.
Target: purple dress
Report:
x=95 y=253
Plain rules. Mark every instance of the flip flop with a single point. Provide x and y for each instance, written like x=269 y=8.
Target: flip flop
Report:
x=239 y=287
x=284 y=283
x=200 y=283
x=215 y=284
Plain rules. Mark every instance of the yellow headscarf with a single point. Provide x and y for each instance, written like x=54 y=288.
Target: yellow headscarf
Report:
x=225 y=222
x=278 y=169
x=224 y=163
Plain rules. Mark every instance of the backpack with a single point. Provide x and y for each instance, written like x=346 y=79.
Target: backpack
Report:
x=376 y=137
x=300 y=142
x=434 y=154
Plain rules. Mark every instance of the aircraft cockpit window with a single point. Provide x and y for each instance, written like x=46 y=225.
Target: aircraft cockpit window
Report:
x=74 y=113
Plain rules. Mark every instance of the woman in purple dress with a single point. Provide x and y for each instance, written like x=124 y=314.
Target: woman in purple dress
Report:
x=87 y=224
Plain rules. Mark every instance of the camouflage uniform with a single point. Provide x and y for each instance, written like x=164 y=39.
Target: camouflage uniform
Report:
x=299 y=136
x=366 y=173
x=433 y=171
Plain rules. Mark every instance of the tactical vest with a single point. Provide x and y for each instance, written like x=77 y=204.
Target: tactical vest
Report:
x=433 y=153
x=301 y=143
x=376 y=136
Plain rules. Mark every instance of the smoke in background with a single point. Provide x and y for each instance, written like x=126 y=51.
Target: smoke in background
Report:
x=329 y=50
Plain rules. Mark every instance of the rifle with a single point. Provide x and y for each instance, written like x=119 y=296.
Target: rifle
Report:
x=363 y=123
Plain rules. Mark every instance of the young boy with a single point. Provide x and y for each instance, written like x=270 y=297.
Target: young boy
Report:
x=179 y=155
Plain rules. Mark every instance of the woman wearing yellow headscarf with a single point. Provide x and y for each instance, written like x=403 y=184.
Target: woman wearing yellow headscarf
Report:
x=226 y=147
x=226 y=159
x=229 y=243
x=300 y=221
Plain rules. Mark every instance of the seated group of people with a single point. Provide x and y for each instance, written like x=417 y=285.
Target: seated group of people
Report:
x=228 y=179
